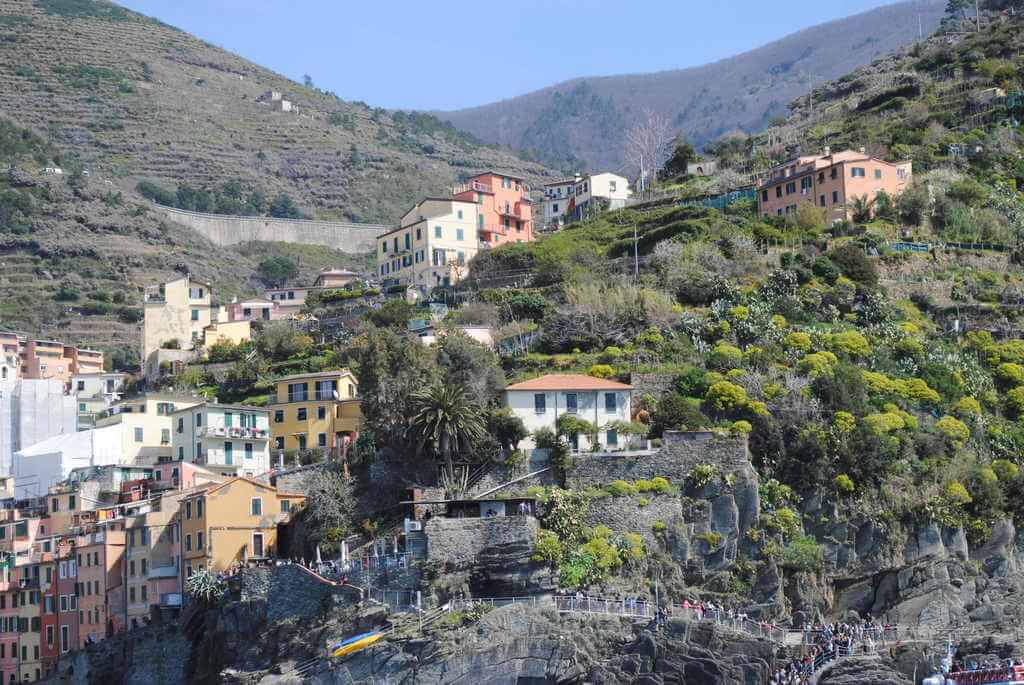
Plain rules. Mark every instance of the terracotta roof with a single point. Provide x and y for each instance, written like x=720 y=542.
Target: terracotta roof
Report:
x=571 y=381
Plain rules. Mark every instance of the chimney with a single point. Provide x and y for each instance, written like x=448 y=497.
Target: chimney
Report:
x=863 y=150
x=828 y=151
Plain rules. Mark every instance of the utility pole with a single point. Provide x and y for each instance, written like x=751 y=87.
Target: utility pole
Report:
x=636 y=255
x=977 y=14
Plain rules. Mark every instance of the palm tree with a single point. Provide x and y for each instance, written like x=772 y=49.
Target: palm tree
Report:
x=445 y=418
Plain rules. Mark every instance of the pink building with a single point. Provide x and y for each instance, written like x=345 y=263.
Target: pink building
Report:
x=100 y=556
x=504 y=210
x=255 y=309
x=832 y=182
x=51 y=359
x=181 y=475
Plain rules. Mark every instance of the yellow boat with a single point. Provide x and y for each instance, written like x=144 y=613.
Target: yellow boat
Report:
x=355 y=644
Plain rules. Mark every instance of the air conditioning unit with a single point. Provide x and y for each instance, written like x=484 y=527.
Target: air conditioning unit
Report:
x=413 y=526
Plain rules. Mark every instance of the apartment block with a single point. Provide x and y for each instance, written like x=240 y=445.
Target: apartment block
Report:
x=433 y=245
x=31 y=411
x=504 y=209
x=100 y=555
x=10 y=361
x=175 y=314
x=291 y=300
x=232 y=523
x=95 y=393
x=575 y=198
x=831 y=181
x=228 y=439
x=315 y=410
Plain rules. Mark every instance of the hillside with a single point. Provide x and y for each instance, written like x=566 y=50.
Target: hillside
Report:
x=586 y=118
x=117 y=99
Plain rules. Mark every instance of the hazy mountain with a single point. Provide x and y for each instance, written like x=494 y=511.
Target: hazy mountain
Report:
x=586 y=118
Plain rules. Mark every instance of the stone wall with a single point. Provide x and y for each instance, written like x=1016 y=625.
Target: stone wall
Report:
x=231 y=230
x=625 y=515
x=680 y=452
x=459 y=542
x=656 y=384
x=294 y=592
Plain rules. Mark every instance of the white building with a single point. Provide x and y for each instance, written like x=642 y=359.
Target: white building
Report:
x=95 y=393
x=540 y=401
x=32 y=410
x=227 y=439
x=574 y=199
x=47 y=463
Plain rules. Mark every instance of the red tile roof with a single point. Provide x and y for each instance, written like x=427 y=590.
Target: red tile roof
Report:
x=569 y=381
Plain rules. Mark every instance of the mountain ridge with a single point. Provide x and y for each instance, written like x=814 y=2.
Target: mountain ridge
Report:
x=697 y=108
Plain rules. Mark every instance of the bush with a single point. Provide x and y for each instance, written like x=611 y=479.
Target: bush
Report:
x=601 y=371
x=817 y=364
x=741 y=428
x=703 y=474
x=1005 y=470
x=1010 y=374
x=954 y=430
x=854 y=264
x=967 y=407
x=803 y=554
x=725 y=356
x=620 y=488
x=277 y=270
x=675 y=412
x=797 y=340
x=725 y=396
x=844 y=422
x=784 y=521
x=956 y=493
x=850 y=343
x=67 y=293
x=548 y=548
x=843 y=483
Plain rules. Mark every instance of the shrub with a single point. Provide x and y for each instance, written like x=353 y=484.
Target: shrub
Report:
x=956 y=493
x=967 y=407
x=817 y=364
x=601 y=371
x=643 y=502
x=620 y=488
x=659 y=527
x=725 y=356
x=712 y=540
x=1005 y=470
x=660 y=485
x=1015 y=401
x=1010 y=374
x=803 y=554
x=784 y=521
x=885 y=422
x=854 y=264
x=844 y=422
x=703 y=474
x=954 y=430
x=726 y=396
x=548 y=548
x=843 y=483
x=850 y=343
x=797 y=340
x=67 y=293
x=741 y=428
x=677 y=412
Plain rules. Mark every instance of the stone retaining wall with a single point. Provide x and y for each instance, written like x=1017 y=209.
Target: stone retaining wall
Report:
x=457 y=542
x=231 y=230
x=680 y=452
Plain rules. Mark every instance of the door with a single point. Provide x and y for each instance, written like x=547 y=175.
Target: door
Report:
x=228 y=453
x=257 y=545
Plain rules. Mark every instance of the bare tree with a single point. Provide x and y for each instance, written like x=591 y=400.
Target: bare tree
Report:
x=648 y=144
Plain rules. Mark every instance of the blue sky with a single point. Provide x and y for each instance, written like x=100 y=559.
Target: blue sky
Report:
x=439 y=54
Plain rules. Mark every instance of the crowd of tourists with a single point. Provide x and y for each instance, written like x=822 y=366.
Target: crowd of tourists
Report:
x=823 y=643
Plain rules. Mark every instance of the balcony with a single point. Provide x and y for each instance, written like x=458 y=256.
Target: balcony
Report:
x=162 y=572
x=235 y=432
x=473 y=186
x=513 y=210
x=171 y=599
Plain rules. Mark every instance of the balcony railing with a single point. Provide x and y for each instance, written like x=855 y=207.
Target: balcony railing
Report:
x=162 y=572
x=474 y=186
x=235 y=432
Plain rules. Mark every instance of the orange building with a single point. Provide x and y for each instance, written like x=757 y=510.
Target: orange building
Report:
x=51 y=359
x=832 y=182
x=504 y=209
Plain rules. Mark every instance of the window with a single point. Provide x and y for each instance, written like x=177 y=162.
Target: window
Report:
x=256 y=506
x=248 y=450
x=459 y=234
x=181 y=424
x=278 y=416
x=229 y=419
x=65 y=644
x=257 y=545
x=540 y=403
x=181 y=453
x=321 y=413
x=790 y=187
x=419 y=234
x=462 y=258
x=131 y=594
x=81 y=408
x=297 y=392
x=286 y=506
x=612 y=438
x=554 y=207
x=199 y=450
x=821 y=200
x=778 y=191
x=835 y=197
x=138 y=434
x=188 y=542
x=144 y=593
x=302 y=440
x=301 y=414
x=165 y=436
x=764 y=198
x=55 y=505
x=437 y=231
x=279 y=442
x=199 y=540
x=384 y=247
x=188 y=510
x=821 y=177
x=199 y=507
x=835 y=172
x=459 y=213
x=857 y=172
x=408 y=241
x=878 y=173
x=806 y=183
x=321 y=440
x=610 y=402
x=570 y=402
x=195 y=315
x=145 y=566
x=229 y=452
x=131 y=567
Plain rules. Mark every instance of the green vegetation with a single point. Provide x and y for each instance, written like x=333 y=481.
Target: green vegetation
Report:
x=85 y=9
x=231 y=197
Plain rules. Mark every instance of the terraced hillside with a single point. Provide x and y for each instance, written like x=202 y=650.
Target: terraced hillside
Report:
x=137 y=99
x=114 y=99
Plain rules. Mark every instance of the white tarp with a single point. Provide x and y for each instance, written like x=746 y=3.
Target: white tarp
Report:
x=47 y=463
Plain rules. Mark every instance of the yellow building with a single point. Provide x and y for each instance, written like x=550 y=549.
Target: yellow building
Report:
x=315 y=411
x=175 y=315
x=146 y=424
x=436 y=240
x=234 y=521
x=223 y=330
